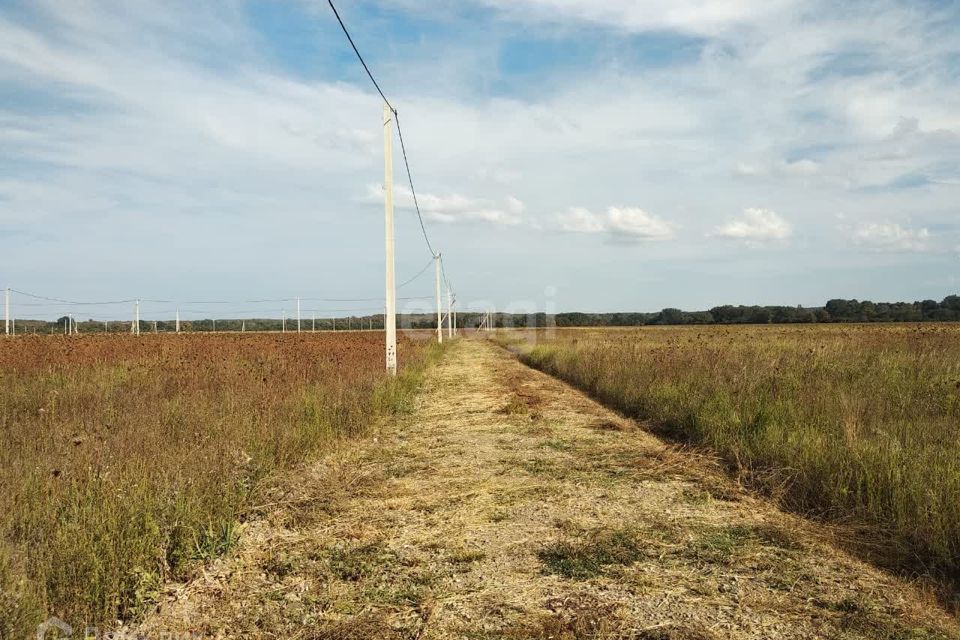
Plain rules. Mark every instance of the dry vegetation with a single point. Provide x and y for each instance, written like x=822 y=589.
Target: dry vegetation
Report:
x=854 y=423
x=129 y=461
x=508 y=506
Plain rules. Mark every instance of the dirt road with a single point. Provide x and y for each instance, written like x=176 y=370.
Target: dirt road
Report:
x=508 y=505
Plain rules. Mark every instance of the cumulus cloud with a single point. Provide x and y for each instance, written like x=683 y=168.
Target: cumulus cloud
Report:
x=127 y=110
x=891 y=237
x=579 y=220
x=625 y=223
x=756 y=226
x=454 y=207
x=637 y=223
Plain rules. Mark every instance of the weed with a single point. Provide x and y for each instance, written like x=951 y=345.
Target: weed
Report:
x=127 y=460
x=858 y=423
x=586 y=558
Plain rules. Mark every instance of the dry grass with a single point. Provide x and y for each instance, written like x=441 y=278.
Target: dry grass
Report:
x=127 y=461
x=460 y=544
x=854 y=423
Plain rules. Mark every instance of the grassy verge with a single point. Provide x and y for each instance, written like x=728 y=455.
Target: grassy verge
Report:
x=129 y=461
x=859 y=424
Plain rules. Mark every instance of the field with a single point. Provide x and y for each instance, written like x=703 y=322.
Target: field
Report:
x=128 y=461
x=853 y=423
x=221 y=485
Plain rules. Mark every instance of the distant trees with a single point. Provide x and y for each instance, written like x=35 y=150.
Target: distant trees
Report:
x=837 y=310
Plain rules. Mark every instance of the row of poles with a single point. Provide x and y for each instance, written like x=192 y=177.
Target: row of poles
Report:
x=390 y=315
x=71 y=327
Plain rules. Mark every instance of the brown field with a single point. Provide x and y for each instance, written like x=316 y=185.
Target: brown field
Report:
x=128 y=461
x=854 y=423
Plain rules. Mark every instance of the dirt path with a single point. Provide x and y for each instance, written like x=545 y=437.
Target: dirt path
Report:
x=508 y=505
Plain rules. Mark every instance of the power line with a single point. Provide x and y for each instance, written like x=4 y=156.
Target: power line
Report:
x=360 y=57
x=396 y=117
x=71 y=302
x=443 y=270
x=419 y=273
x=413 y=192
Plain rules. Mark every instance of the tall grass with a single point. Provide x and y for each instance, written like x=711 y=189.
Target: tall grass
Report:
x=125 y=461
x=853 y=423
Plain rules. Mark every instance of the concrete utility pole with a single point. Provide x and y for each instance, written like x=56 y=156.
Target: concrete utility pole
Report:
x=243 y=326
x=390 y=318
x=6 y=311
x=283 y=321
x=136 y=313
x=313 y=323
x=436 y=277
x=449 y=315
x=298 y=314
x=178 y=321
x=214 y=325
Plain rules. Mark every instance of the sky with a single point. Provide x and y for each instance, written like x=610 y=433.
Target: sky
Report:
x=567 y=154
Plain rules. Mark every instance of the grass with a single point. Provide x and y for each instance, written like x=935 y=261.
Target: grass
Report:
x=130 y=461
x=859 y=424
x=580 y=559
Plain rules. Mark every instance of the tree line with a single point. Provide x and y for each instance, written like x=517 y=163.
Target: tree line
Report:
x=836 y=310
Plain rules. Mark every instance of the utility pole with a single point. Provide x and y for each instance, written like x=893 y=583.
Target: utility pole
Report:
x=449 y=314
x=136 y=313
x=390 y=318
x=178 y=321
x=243 y=326
x=6 y=311
x=283 y=321
x=298 y=314
x=313 y=323
x=214 y=325
x=436 y=278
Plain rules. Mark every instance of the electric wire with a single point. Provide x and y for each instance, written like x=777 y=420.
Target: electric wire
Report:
x=70 y=302
x=419 y=273
x=396 y=117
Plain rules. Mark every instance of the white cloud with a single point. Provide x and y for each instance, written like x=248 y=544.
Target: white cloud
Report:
x=694 y=16
x=624 y=223
x=127 y=110
x=579 y=220
x=891 y=237
x=454 y=207
x=636 y=223
x=803 y=168
x=756 y=226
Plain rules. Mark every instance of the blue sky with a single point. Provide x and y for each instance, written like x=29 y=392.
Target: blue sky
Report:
x=569 y=154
